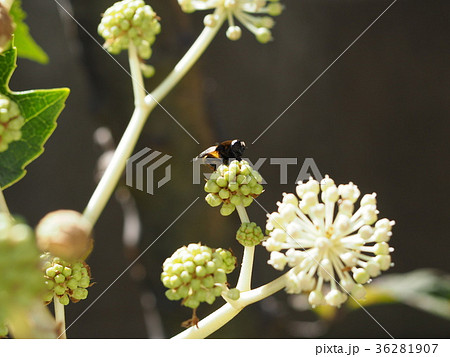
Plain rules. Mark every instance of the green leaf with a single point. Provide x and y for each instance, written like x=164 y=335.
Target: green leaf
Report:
x=26 y=46
x=40 y=108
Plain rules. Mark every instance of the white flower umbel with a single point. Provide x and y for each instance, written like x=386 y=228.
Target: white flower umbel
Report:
x=332 y=249
x=255 y=15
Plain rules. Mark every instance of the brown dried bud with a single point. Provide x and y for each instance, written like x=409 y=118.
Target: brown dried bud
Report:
x=65 y=234
x=6 y=28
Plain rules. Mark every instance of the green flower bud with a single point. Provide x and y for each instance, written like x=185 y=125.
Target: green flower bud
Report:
x=227 y=209
x=200 y=271
x=245 y=190
x=236 y=200
x=185 y=277
x=191 y=302
x=213 y=200
x=172 y=295
x=147 y=70
x=183 y=291
x=200 y=295
x=224 y=194
x=72 y=284
x=220 y=277
x=217 y=290
x=60 y=278
x=210 y=297
x=195 y=284
x=274 y=9
x=208 y=282
x=233 y=294
x=233 y=186
x=64 y=300
x=67 y=271
x=247 y=201
x=222 y=182
x=189 y=266
x=59 y=290
x=50 y=272
x=49 y=284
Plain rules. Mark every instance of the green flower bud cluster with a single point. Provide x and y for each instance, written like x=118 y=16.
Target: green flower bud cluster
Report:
x=11 y=121
x=233 y=185
x=249 y=234
x=65 y=280
x=20 y=277
x=129 y=21
x=197 y=274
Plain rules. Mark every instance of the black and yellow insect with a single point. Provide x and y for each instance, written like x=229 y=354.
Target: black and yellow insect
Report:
x=226 y=150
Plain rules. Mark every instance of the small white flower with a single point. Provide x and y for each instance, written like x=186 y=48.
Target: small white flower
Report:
x=255 y=15
x=331 y=249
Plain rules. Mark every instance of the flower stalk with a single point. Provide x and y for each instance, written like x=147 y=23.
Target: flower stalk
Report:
x=245 y=276
x=60 y=317
x=228 y=311
x=142 y=110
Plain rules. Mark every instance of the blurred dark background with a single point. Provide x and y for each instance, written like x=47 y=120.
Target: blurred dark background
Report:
x=377 y=117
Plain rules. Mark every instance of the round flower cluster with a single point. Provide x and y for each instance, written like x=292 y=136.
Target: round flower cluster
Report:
x=249 y=234
x=11 y=121
x=129 y=21
x=196 y=274
x=233 y=185
x=345 y=249
x=20 y=277
x=242 y=10
x=65 y=280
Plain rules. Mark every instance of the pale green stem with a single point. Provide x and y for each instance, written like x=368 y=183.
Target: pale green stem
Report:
x=7 y=4
x=245 y=276
x=3 y=206
x=136 y=76
x=108 y=182
x=223 y=315
x=60 y=317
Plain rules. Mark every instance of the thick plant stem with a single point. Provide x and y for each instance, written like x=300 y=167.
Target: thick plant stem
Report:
x=245 y=276
x=223 y=315
x=136 y=76
x=60 y=318
x=108 y=182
